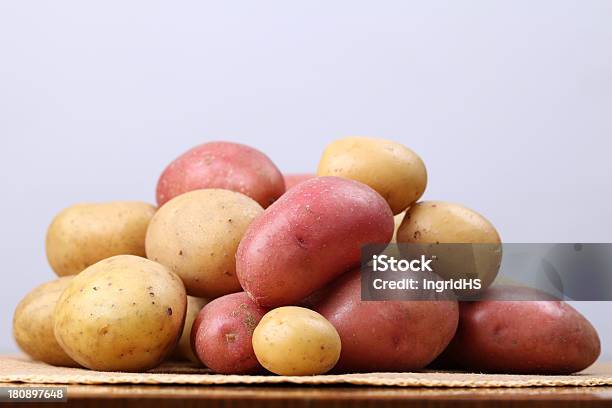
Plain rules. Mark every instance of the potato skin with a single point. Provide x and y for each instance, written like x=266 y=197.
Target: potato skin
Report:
x=293 y=179
x=183 y=350
x=521 y=337
x=445 y=222
x=312 y=234
x=222 y=334
x=84 y=234
x=33 y=324
x=196 y=235
x=386 y=336
x=222 y=165
x=394 y=171
x=293 y=340
x=123 y=313
x=433 y=222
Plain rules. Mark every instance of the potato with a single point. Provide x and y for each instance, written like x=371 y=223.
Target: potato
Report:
x=293 y=179
x=386 y=336
x=312 y=234
x=294 y=340
x=222 y=165
x=394 y=171
x=521 y=336
x=444 y=222
x=222 y=332
x=397 y=221
x=123 y=313
x=196 y=235
x=183 y=350
x=439 y=222
x=33 y=324
x=84 y=234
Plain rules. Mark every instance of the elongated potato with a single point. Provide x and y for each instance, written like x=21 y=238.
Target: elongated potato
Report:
x=124 y=313
x=222 y=334
x=293 y=340
x=222 y=165
x=33 y=324
x=394 y=171
x=386 y=336
x=84 y=234
x=312 y=234
x=183 y=349
x=196 y=235
x=521 y=336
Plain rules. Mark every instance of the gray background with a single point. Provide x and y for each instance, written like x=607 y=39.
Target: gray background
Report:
x=509 y=104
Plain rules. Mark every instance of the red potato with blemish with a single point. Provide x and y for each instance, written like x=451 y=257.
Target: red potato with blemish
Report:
x=296 y=178
x=222 y=333
x=311 y=235
x=389 y=335
x=521 y=336
x=223 y=165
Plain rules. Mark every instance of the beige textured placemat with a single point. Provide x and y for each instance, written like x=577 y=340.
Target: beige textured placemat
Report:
x=20 y=369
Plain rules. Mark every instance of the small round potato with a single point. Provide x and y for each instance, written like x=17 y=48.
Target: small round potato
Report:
x=196 y=235
x=183 y=349
x=84 y=234
x=33 y=324
x=222 y=334
x=394 y=171
x=293 y=340
x=123 y=313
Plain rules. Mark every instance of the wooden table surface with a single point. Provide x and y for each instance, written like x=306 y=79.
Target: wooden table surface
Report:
x=328 y=396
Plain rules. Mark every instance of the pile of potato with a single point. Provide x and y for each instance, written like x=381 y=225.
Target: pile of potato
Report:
x=242 y=269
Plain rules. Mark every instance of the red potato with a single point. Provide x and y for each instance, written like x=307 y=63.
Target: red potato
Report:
x=225 y=165
x=312 y=234
x=293 y=179
x=222 y=333
x=521 y=336
x=386 y=336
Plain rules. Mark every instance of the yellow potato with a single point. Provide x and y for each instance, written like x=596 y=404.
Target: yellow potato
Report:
x=439 y=222
x=183 y=349
x=394 y=171
x=397 y=220
x=293 y=340
x=196 y=235
x=444 y=222
x=33 y=324
x=123 y=313
x=84 y=234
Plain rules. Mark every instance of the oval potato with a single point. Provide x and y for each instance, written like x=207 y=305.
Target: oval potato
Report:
x=84 y=234
x=312 y=234
x=222 y=334
x=222 y=165
x=183 y=349
x=440 y=222
x=294 y=340
x=393 y=170
x=389 y=335
x=196 y=235
x=33 y=324
x=521 y=337
x=123 y=313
